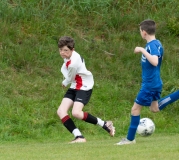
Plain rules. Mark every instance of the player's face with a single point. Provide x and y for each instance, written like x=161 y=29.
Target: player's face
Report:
x=65 y=52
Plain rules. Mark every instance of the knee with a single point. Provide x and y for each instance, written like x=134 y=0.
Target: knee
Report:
x=154 y=110
x=76 y=114
x=59 y=112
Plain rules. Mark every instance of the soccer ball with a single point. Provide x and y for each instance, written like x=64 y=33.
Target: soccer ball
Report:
x=146 y=127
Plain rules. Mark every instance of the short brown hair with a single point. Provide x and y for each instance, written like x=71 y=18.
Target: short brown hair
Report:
x=66 y=41
x=148 y=26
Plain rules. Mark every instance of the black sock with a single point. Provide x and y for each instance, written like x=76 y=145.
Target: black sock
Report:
x=79 y=137
x=105 y=127
x=69 y=124
x=89 y=118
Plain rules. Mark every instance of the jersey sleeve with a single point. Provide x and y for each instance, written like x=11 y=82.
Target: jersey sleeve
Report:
x=70 y=76
x=64 y=71
x=155 y=50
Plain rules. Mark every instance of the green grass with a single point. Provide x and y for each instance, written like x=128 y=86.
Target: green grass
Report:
x=30 y=76
x=158 y=146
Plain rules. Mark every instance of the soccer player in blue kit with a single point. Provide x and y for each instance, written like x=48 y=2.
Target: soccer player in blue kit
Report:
x=151 y=87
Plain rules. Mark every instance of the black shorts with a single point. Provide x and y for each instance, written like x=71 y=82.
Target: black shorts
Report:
x=78 y=95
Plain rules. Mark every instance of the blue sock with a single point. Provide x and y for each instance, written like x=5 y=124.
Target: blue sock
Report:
x=133 y=127
x=168 y=99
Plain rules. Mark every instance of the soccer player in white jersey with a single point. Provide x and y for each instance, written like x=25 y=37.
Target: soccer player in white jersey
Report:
x=151 y=87
x=77 y=96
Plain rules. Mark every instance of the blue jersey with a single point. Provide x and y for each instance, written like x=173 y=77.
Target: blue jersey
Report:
x=151 y=79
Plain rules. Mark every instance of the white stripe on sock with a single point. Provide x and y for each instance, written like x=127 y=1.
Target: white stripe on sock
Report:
x=100 y=122
x=76 y=132
x=164 y=101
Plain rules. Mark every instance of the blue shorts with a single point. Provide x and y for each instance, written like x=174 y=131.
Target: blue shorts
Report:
x=145 y=97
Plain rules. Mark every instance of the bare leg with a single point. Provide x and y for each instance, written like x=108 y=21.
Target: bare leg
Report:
x=65 y=105
x=77 y=110
x=154 y=107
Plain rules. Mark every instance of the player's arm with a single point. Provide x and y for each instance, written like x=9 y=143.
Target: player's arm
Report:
x=64 y=71
x=70 y=76
x=153 y=59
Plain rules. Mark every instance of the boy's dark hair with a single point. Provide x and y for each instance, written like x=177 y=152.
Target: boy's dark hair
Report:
x=66 y=41
x=148 y=26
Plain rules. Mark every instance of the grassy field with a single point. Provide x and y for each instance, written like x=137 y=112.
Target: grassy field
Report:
x=160 y=146
x=106 y=33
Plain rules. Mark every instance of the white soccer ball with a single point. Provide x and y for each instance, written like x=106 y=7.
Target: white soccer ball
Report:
x=146 y=127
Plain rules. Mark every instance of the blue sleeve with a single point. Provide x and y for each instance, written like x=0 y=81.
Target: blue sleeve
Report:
x=155 y=50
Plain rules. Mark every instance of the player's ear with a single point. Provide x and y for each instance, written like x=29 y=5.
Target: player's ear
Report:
x=145 y=33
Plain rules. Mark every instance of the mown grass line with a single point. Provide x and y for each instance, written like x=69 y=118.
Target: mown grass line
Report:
x=30 y=64
x=158 y=146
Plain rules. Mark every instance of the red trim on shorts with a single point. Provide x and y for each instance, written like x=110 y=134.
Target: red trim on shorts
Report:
x=79 y=82
x=85 y=116
x=64 y=119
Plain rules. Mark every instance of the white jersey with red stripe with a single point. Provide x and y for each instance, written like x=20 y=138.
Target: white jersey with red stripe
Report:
x=75 y=72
